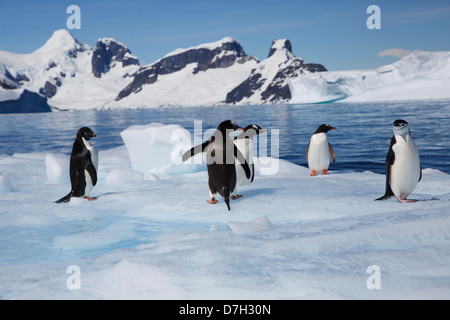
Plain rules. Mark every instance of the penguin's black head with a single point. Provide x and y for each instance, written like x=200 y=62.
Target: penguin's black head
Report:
x=85 y=133
x=399 y=124
x=324 y=128
x=252 y=130
x=400 y=127
x=229 y=125
x=256 y=128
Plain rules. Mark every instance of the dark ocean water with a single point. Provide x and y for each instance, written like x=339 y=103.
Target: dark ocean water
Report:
x=360 y=142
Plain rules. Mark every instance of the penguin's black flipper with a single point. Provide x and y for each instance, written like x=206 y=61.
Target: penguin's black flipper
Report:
x=238 y=155
x=92 y=172
x=390 y=159
x=253 y=170
x=197 y=149
x=64 y=199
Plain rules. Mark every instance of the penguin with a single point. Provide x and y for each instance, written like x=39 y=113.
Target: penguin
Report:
x=220 y=160
x=83 y=166
x=319 y=150
x=403 y=171
x=244 y=143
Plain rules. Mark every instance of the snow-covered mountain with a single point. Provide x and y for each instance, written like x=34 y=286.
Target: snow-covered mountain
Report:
x=201 y=75
x=216 y=73
x=268 y=82
x=72 y=75
x=69 y=74
x=419 y=75
x=65 y=74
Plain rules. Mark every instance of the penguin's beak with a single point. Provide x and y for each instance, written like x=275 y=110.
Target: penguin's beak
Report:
x=262 y=131
x=239 y=128
x=93 y=135
x=333 y=128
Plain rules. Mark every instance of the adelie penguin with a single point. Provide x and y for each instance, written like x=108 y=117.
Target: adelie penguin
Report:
x=403 y=171
x=319 y=150
x=244 y=143
x=83 y=166
x=220 y=161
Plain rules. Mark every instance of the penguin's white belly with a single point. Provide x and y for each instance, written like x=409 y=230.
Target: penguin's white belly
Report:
x=94 y=159
x=405 y=172
x=318 y=153
x=245 y=147
x=89 y=184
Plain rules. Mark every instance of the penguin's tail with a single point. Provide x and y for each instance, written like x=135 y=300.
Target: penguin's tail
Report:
x=226 y=197
x=64 y=199
x=386 y=196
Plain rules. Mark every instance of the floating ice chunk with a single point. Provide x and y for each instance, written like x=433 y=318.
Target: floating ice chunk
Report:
x=258 y=224
x=269 y=166
x=120 y=175
x=158 y=148
x=5 y=185
x=57 y=166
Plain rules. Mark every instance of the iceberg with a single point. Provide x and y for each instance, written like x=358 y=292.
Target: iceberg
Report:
x=158 y=148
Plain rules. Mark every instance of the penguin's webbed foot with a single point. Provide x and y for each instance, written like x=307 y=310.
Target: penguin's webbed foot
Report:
x=237 y=196
x=405 y=200
x=313 y=173
x=325 y=171
x=89 y=198
x=212 y=201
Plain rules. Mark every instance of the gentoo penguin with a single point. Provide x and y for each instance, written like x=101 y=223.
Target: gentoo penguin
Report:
x=403 y=171
x=244 y=143
x=83 y=166
x=220 y=161
x=319 y=150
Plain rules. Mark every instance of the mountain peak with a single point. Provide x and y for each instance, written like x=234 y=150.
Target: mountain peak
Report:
x=61 y=40
x=107 y=53
x=281 y=45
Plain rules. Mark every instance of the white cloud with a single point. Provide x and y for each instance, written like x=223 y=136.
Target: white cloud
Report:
x=395 y=52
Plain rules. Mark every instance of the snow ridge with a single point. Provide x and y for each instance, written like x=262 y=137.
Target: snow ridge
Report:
x=419 y=75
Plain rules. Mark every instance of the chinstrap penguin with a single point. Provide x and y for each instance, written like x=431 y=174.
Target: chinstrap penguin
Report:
x=319 y=150
x=403 y=171
x=83 y=166
x=220 y=160
x=244 y=143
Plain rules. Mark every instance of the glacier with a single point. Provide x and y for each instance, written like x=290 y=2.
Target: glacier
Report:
x=419 y=75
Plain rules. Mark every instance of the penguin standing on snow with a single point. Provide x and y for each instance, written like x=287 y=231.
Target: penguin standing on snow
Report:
x=403 y=171
x=220 y=160
x=83 y=166
x=319 y=150
x=244 y=143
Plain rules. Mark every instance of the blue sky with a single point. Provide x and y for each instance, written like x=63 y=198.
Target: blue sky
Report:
x=333 y=33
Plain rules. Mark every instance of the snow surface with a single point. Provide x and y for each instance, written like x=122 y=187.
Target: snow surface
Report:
x=184 y=88
x=154 y=236
x=419 y=75
x=13 y=94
